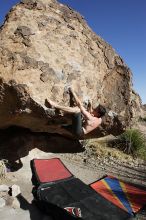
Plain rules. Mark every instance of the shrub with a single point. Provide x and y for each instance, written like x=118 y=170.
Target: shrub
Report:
x=133 y=142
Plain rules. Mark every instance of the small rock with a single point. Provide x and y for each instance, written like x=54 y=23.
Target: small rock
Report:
x=3 y=194
x=4 y=188
x=15 y=190
x=15 y=203
x=2 y=202
x=9 y=200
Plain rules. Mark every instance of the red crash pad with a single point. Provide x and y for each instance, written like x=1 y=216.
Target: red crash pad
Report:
x=49 y=170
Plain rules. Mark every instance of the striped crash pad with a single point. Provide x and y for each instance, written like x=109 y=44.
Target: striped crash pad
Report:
x=125 y=196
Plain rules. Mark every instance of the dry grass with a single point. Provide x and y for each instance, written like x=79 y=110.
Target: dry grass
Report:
x=129 y=145
x=101 y=148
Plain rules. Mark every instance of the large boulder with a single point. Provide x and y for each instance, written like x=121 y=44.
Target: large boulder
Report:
x=45 y=47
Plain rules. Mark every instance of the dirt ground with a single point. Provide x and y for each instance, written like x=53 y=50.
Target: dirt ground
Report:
x=86 y=163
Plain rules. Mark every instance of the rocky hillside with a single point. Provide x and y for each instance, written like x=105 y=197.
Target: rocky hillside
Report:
x=45 y=47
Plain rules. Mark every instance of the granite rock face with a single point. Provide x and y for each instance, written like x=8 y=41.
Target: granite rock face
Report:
x=45 y=47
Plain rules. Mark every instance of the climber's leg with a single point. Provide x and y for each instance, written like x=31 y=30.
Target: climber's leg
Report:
x=63 y=108
x=76 y=127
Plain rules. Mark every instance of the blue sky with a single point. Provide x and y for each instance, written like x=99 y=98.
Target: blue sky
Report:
x=122 y=23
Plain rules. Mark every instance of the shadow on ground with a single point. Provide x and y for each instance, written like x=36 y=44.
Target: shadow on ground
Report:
x=34 y=212
x=17 y=142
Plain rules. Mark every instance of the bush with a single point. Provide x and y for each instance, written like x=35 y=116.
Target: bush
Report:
x=133 y=142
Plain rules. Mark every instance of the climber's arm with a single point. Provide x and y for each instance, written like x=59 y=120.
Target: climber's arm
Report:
x=85 y=112
x=79 y=104
x=77 y=100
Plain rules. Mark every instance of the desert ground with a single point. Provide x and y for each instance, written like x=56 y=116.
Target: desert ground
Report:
x=88 y=160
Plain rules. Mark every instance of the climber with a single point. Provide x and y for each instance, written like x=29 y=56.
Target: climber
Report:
x=92 y=117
